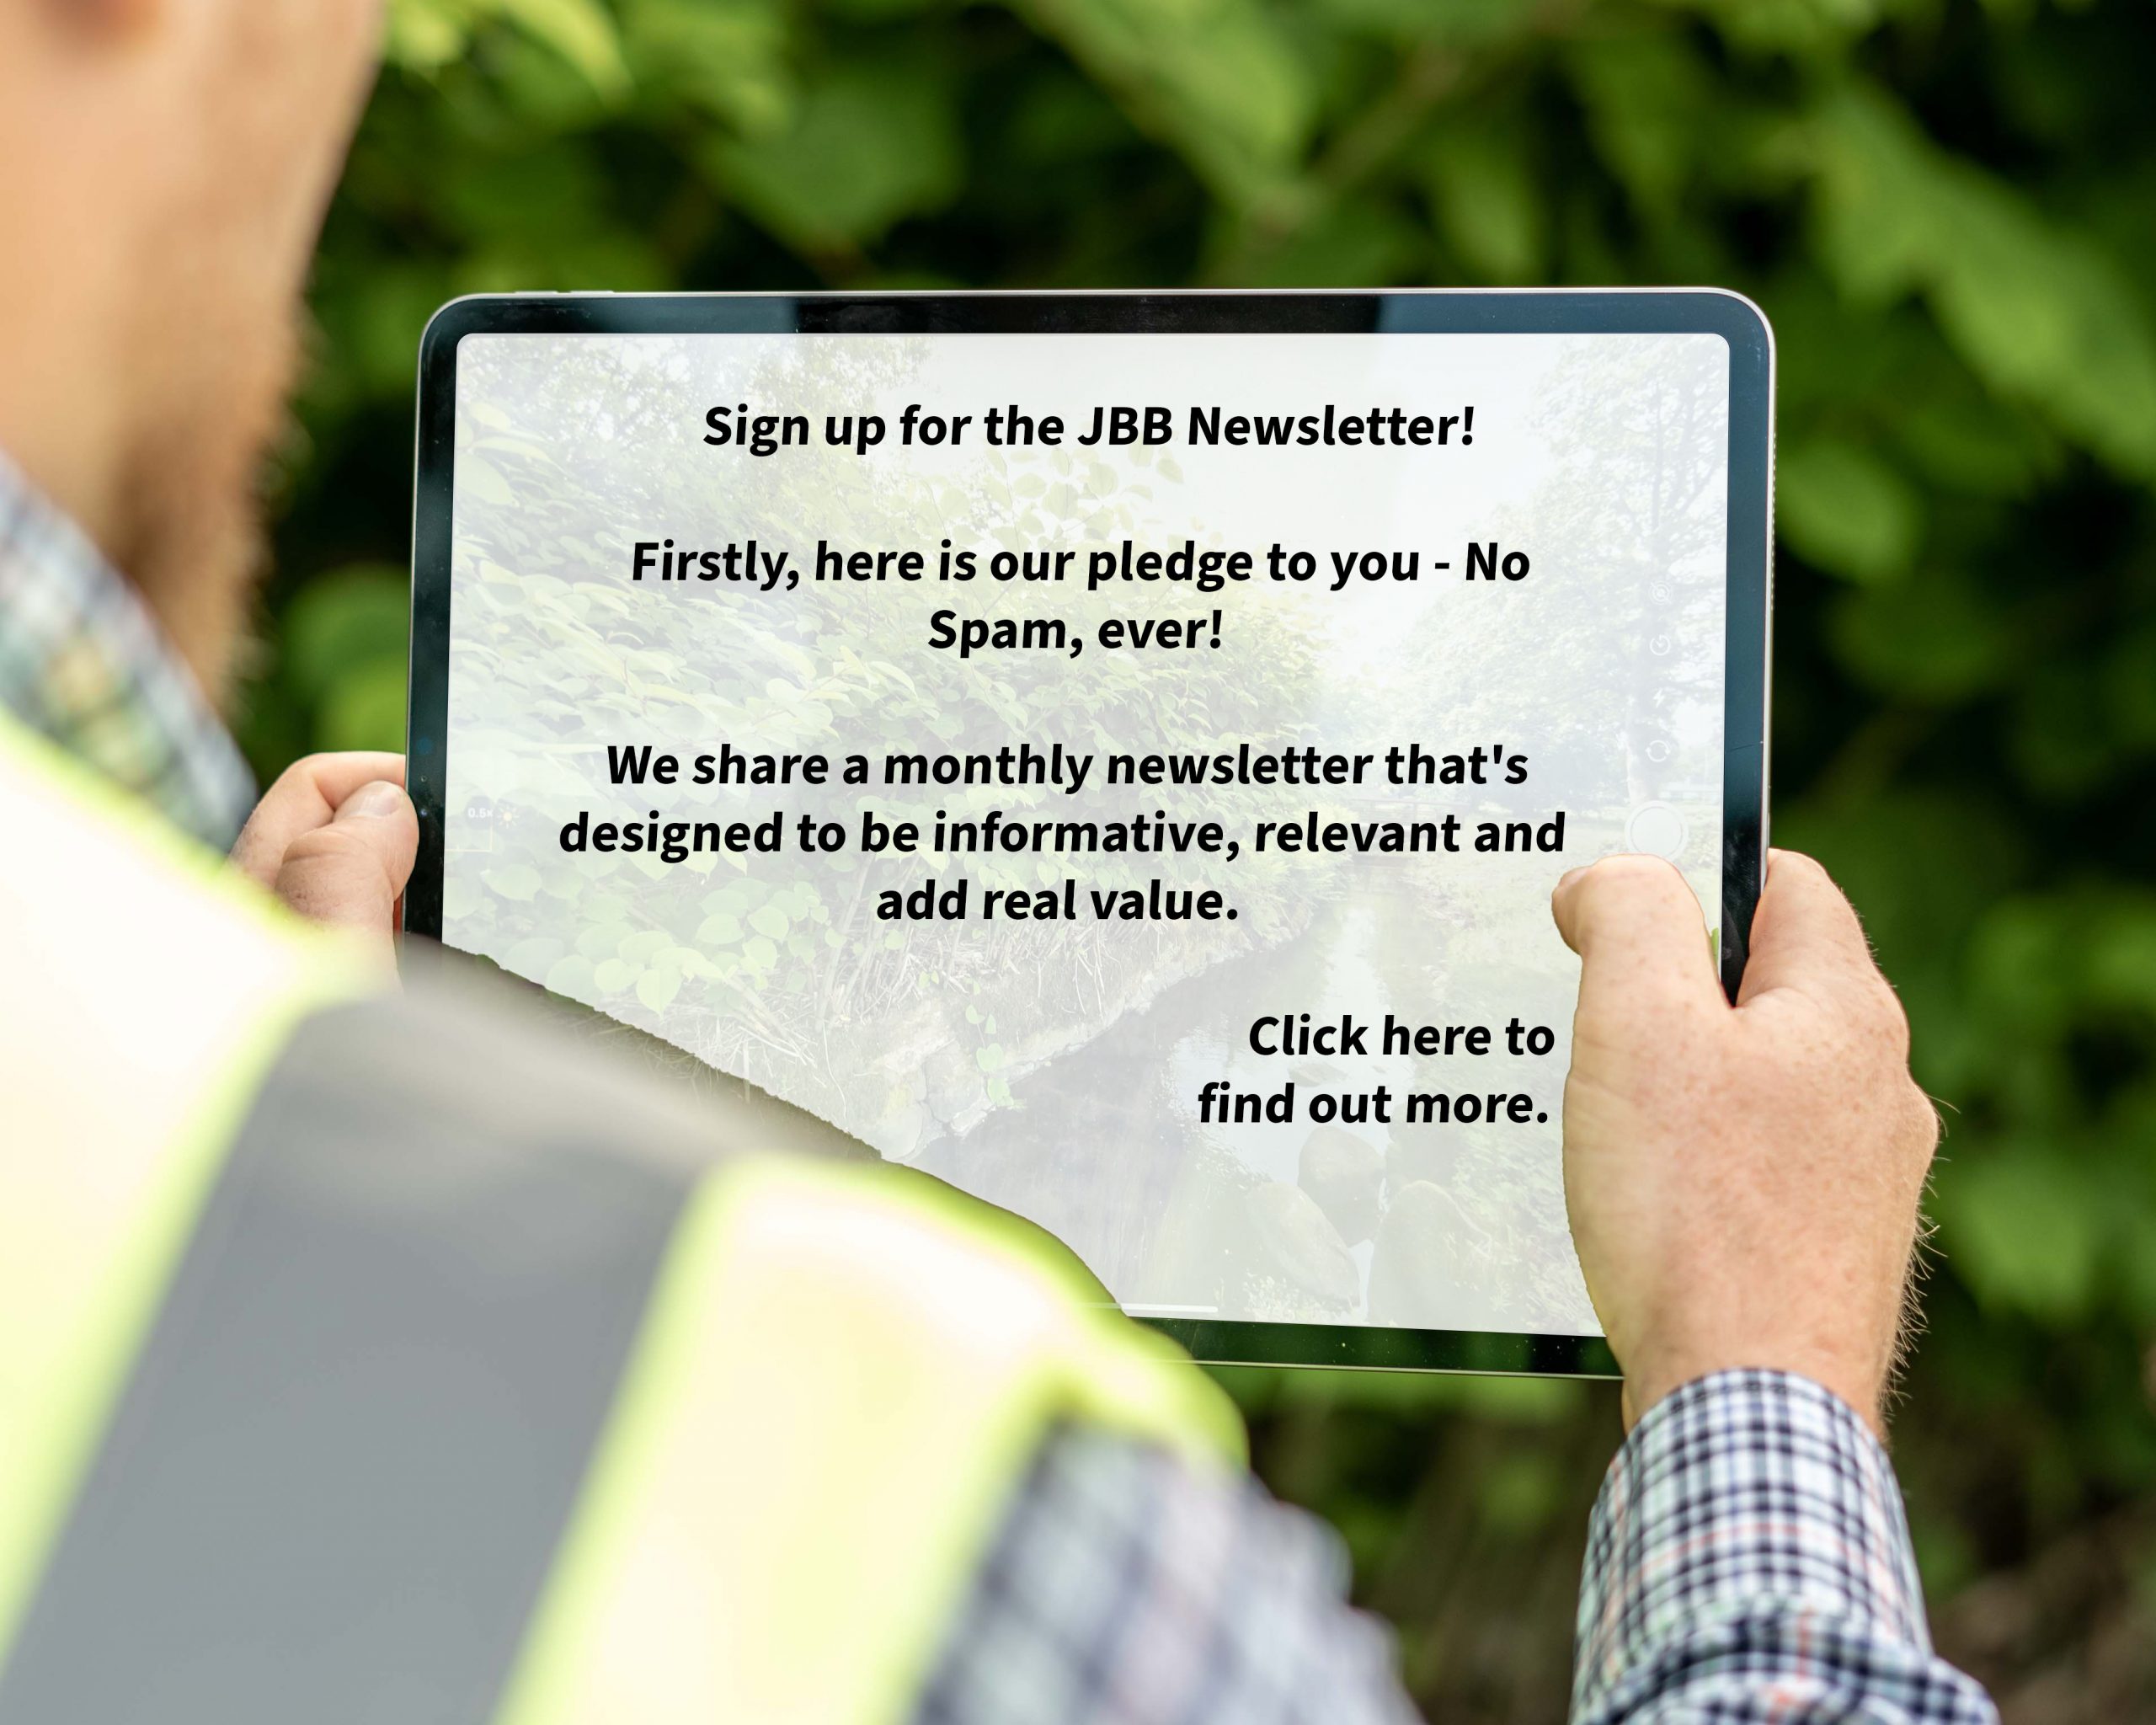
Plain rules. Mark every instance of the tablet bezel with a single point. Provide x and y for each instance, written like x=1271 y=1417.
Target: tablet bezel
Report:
x=1434 y=311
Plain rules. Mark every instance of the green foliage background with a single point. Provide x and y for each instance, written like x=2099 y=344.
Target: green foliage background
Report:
x=1945 y=208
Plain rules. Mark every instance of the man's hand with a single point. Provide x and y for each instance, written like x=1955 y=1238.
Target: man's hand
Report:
x=334 y=838
x=1743 y=1181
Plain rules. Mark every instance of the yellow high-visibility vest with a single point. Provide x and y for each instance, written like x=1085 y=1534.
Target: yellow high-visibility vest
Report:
x=362 y=1359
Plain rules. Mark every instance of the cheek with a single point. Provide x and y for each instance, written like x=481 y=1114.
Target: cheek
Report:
x=361 y=25
x=289 y=134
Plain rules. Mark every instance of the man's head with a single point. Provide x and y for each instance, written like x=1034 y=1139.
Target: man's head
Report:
x=163 y=168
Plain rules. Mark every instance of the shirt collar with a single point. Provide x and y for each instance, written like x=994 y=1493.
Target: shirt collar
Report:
x=83 y=663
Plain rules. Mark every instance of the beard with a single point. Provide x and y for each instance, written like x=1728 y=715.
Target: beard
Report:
x=210 y=324
x=190 y=532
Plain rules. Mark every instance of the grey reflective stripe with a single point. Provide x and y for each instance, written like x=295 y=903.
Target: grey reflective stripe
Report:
x=336 y=1479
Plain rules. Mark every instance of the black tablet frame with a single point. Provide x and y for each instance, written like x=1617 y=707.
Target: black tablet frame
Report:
x=1497 y=311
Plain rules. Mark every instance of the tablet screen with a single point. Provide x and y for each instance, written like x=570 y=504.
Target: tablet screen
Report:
x=1122 y=774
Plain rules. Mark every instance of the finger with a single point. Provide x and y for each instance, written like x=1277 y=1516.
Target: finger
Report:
x=1639 y=934
x=1804 y=936
x=307 y=794
x=350 y=872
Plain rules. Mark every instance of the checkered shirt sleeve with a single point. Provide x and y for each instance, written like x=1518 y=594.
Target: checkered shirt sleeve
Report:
x=84 y=663
x=1749 y=1560
x=1127 y=1588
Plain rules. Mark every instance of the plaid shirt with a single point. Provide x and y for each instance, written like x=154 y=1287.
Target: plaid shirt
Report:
x=83 y=663
x=1748 y=1560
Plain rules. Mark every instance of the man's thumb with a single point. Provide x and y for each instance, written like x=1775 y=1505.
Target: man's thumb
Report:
x=350 y=872
x=1642 y=940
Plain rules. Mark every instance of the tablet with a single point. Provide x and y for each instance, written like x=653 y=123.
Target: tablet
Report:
x=1110 y=750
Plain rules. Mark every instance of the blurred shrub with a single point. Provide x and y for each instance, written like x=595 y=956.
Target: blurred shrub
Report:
x=1944 y=206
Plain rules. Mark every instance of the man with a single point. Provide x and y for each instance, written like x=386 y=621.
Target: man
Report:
x=387 y=1358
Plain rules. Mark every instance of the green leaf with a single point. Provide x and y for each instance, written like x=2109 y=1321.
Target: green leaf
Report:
x=460 y=899
x=1356 y=243
x=2021 y=1227
x=424 y=34
x=535 y=956
x=1928 y=639
x=2122 y=966
x=1813 y=29
x=726 y=57
x=720 y=930
x=1976 y=445
x=364 y=708
x=866 y=148
x=1648 y=99
x=351 y=615
x=519 y=881
x=580 y=31
x=656 y=988
x=600 y=941
x=1486 y=204
x=2040 y=312
x=574 y=977
x=1218 y=81
x=477 y=476
x=1843 y=510
x=769 y=920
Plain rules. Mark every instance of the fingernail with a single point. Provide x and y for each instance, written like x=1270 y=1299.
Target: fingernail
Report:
x=373 y=800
